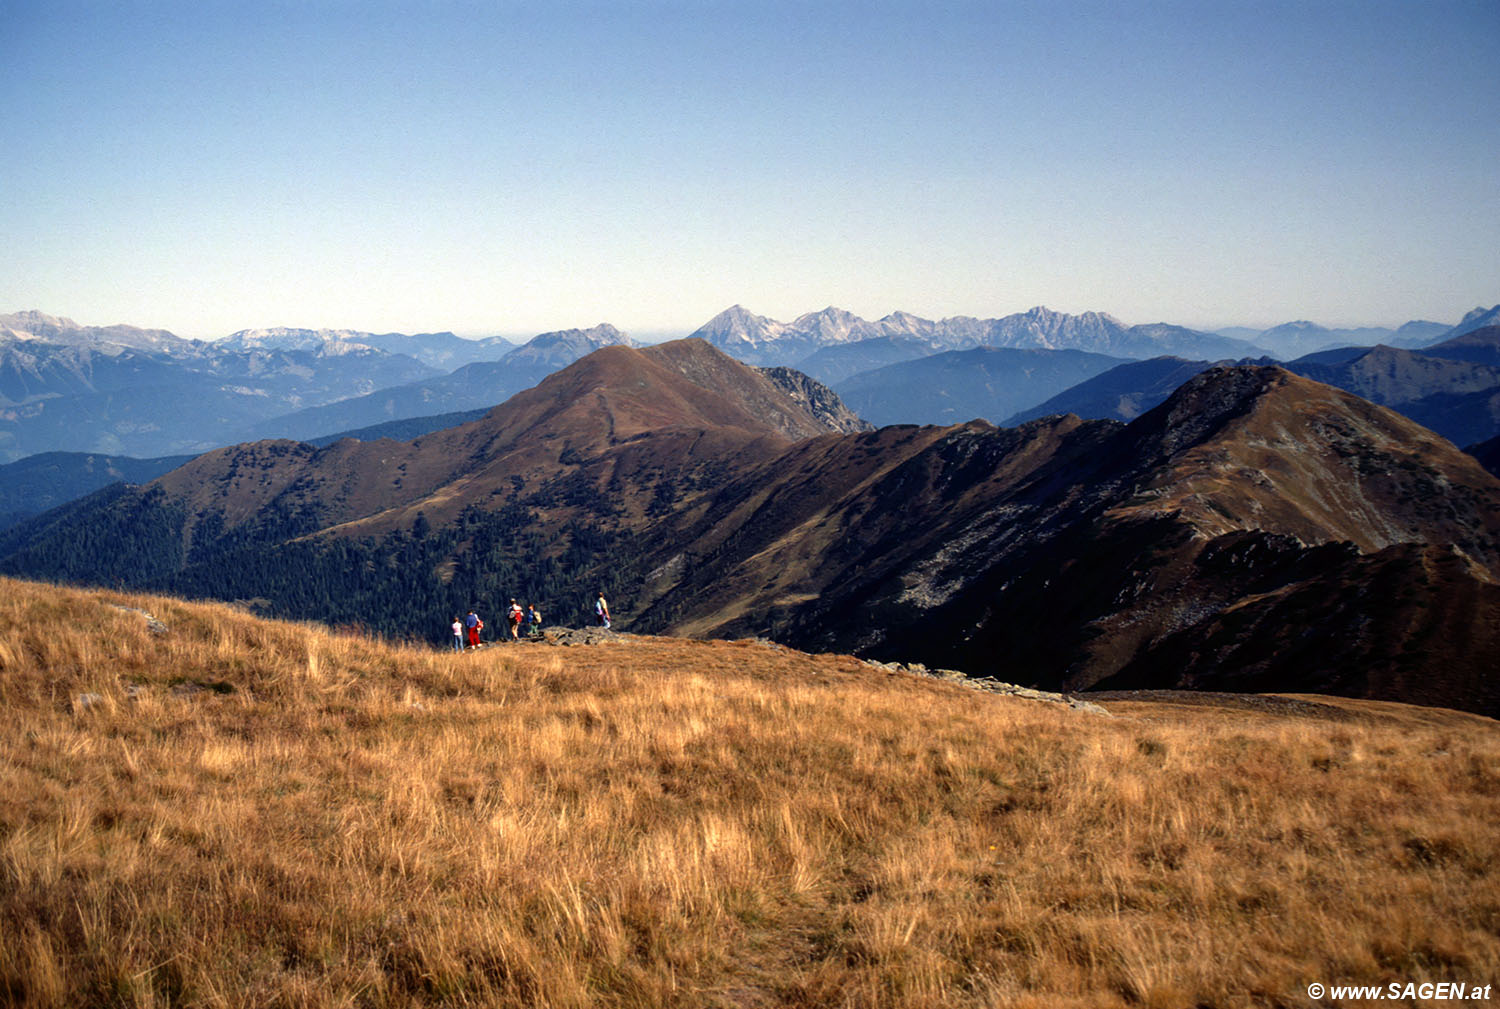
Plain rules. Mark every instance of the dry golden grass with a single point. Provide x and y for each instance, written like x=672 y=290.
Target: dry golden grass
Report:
x=335 y=821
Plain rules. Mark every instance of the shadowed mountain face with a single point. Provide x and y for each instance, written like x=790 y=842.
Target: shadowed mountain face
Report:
x=1121 y=393
x=1413 y=621
x=986 y=382
x=1488 y=454
x=840 y=361
x=1479 y=346
x=39 y=482
x=709 y=500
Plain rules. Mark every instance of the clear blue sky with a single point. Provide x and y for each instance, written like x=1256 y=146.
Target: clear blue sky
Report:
x=516 y=167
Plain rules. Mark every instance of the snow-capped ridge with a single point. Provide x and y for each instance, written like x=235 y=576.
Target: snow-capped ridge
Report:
x=760 y=340
x=324 y=341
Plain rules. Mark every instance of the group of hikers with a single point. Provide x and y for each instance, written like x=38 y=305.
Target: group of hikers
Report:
x=466 y=629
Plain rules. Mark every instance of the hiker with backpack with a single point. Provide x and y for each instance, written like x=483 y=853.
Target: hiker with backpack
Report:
x=475 y=625
x=601 y=611
x=533 y=622
x=515 y=620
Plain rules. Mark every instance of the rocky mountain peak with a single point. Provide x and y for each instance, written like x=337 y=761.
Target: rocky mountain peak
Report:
x=832 y=325
x=322 y=343
x=1044 y=328
x=819 y=400
x=1247 y=447
x=292 y=338
x=1476 y=319
x=44 y=328
x=1204 y=403
x=737 y=324
x=602 y=335
x=906 y=319
x=31 y=320
x=1051 y=318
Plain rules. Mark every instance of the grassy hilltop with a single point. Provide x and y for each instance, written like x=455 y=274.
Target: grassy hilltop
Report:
x=251 y=813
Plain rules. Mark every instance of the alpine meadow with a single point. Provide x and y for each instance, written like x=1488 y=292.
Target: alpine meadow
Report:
x=202 y=807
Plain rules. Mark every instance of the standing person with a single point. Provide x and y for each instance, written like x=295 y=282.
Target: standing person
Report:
x=533 y=621
x=458 y=634
x=515 y=620
x=601 y=611
x=475 y=625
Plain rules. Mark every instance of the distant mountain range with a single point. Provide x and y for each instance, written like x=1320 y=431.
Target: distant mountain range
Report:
x=1452 y=387
x=479 y=385
x=143 y=404
x=960 y=385
x=1456 y=396
x=65 y=332
x=122 y=391
x=900 y=368
x=1251 y=507
x=1478 y=318
x=1296 y=339
x=442 y=351
x=759 y=340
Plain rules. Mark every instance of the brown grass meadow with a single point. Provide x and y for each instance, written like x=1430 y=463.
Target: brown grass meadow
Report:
x=270 y=814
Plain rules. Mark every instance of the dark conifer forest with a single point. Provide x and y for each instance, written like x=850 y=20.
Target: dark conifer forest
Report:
x=407 y=584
